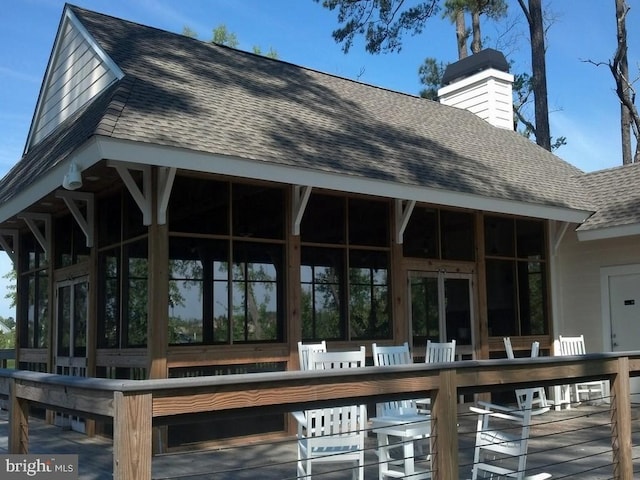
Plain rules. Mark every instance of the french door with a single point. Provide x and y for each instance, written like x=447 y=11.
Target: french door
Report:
x=441 y=310
x=71 y=336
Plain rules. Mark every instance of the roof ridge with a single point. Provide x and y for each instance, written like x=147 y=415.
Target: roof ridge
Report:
x=119 y=97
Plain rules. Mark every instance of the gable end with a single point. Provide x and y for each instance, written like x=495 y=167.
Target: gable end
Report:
x=78 y=71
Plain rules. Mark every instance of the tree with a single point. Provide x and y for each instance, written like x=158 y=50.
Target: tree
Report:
x=382 y=22
x=222 y=36
x=619 y=67
x=533 y=14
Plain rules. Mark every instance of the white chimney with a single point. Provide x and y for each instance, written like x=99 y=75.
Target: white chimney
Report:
x=482 y=84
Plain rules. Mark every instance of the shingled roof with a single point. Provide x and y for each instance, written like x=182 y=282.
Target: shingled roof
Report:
x=616 y=192
x=234 y=106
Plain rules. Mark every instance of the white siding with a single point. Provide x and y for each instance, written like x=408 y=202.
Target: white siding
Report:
x=578 y=294
x=76 y=74
x=488 y=94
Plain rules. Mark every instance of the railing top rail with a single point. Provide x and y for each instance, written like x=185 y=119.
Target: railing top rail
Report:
x=7 y=354
x=539 y=365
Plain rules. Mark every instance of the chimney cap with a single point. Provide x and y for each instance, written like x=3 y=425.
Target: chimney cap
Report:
x=483 y=60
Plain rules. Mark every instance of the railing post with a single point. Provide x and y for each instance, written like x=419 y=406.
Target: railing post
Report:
x=132 y=436
x=18 y=421
x=621 y=422
x=444 y=427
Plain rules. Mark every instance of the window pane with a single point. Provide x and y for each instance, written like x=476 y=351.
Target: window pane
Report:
x=64 y=321
x=501 y=300
x=42 y=339
x=137 y=270
x=199 y=206
x=322 y=279
x=185 y=311
x=458 y=238
x=458 y=310
x=421 y=234
x=425 y=322
x=108 y=329
x=80 y=311
x=498 y=234
x=531 y=239
x=368 y=222
x=257 y=292
x=109 y=215
x=533 y=313
x=324 y=220
x=369 y=316
x=258 y=211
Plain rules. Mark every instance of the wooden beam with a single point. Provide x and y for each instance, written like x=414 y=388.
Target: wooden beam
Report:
x=43 y=237
x=622 y=449
x=71 y=199
x=18 y=421
x=132 y=436
x=444 y=428
x=166 y=176
x=143 y=198
x=404 y=208
x=300 y=198
x=10 y=249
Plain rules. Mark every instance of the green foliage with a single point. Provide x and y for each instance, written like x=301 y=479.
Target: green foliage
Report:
x=12 y=292
x=382 y=22
x=7 y=333
x=431 y=73
x=222 y=36
x=270 y=54
x=188 y=32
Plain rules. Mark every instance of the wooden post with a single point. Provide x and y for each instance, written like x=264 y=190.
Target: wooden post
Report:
x=444 y=428
x=621 y=422
x=132 y=436
x=18 y=421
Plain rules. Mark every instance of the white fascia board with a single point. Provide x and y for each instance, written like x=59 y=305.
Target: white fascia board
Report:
x=105 y=148
x=86 y=156
x=610 y=232
x=150 y=154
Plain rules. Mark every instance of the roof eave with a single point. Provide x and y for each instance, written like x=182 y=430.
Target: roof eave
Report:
x=609 y=232
x=100 y=147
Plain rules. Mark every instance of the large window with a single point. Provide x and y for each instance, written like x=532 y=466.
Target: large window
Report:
x=226 y=263
x=70 y=241
x=516 y=276
x=439 y=234
x=34 y=306
x=344 y=269
x=123 y=267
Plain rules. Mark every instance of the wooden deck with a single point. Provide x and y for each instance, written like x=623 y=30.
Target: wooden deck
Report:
x=568 y=444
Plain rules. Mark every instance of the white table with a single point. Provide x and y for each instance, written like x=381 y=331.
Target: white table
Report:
x=407 y=428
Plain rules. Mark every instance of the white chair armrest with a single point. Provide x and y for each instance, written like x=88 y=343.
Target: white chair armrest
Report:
x=300 y=417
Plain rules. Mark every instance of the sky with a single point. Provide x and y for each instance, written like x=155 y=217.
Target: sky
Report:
x=581 y=96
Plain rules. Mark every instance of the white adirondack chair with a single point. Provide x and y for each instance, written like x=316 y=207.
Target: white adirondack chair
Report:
x=440 y=352
x=303 y=352
x=399 y=424
x=575 y=346
x=389 y=356
x=334 y=434
x=502 y=451
x=539 y=395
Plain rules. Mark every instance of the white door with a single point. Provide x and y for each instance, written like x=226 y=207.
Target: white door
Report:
x=624 y=306
x=71 y=336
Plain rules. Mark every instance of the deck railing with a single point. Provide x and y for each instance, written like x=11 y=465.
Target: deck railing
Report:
x=137 y=406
